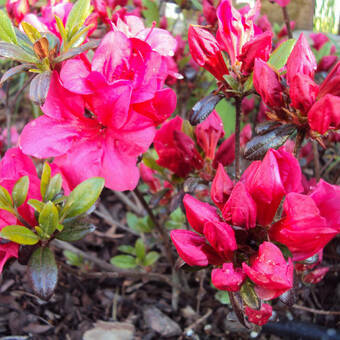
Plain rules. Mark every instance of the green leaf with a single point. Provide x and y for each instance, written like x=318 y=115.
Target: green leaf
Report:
x=80 y=11
x=150 y=258
x=83 y=197
x=6 y=202
x=223 y=297
x=73 y=259
x=7 y=32
x=249 y=84
x=54 y=187
x=36 y=205
x=61 y=28
x=14 y=71
x=19 y=234
x=226 y=111
x=124 y=261
x=42 y=271
x=279 y=57
x=75 y=232
x=20 y=190
x=232 y=82
x=49 y=218
x=132 y=221
x=45 y=179
x=79 y=37
x=127 y=249
x=176 y=219
x=15 y=52
x=197 y=5
x=149 y=159
x=76 y=50
x=32 y=33
x=151 y=12
x=249 y=296
x=145 y=225
x=140 y=249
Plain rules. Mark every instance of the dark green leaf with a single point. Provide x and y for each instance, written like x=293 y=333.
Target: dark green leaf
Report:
x=19 y=234
x=43 y=272
x=49 y=218
x=127 y=249
x=132 y=221
x=149 y=159
x=54 y=187
x=6 y=202
x=39 y=87
x=232 y=82
x=124 y=261
x=83 y=197
x=145 y=225
x=75 y=232
x=15 y=52
x=140 y=249
x=7 y=32
x=150 y=258
x=35 y=204
x=76 y=51
x=259 y=145
x=265 y=127
x=203 y=108
x=20 y=190
x=279 y=57
x=14 y=71
x=249 y=296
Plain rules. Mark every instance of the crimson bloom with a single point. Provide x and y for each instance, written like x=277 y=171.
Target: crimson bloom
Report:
x=206 y=51
x=309 y=221
x=237 y=35
x=259 y=317
x=270 y=272
x=17 y=9
x=227 y=278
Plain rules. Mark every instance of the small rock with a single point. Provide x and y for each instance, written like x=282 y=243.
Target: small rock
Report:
x=160 y=323
x=110 y=331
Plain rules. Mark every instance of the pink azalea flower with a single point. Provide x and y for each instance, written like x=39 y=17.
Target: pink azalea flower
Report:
x=86 y=146
x=282 y=3
x=13 y=166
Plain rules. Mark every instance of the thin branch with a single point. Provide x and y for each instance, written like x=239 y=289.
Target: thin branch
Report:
x=237 y=137
x=110 y=270
x=287 y=22
x=316 y=311
x=194 y=325
x=124 y=198
x=298 y=141
x=317 y=170
x=163 y=233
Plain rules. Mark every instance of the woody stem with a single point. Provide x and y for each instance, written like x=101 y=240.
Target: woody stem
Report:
x=237 y=137
x=287 y=21
x=298 y=141
x=163 y=233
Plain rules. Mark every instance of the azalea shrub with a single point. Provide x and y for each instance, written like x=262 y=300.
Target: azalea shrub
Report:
x=220 y=132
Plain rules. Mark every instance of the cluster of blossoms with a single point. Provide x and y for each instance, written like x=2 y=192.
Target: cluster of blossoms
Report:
x=100 y=115
x=242 y=238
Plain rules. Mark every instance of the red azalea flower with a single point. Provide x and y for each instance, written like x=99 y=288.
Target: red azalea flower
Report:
x=227 y=278
x=259 y=317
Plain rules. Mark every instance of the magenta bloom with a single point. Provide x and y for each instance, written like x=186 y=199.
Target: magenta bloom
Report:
x=282 y=3
x=89 y=145
x=13 y=166
x=270 y=272
x=259 y=317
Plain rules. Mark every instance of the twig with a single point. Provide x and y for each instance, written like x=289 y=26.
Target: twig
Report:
x=316 y=161
x=287 y=22
x=105 y=214
x=110 y=270
x=128 y=202
x=163 y=233
x=298 y=141
x=194 y=325
x=237 y=137
x=316 y=311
